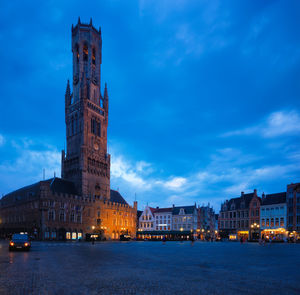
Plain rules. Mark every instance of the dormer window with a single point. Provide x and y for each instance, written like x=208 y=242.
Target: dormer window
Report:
x=181 y=211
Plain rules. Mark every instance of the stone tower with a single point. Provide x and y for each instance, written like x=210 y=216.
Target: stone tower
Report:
x=86 y=161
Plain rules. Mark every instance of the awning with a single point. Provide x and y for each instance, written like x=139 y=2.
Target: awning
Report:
x=162 y=233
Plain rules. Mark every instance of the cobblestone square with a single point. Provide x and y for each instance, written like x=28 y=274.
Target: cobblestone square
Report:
x=150 y=268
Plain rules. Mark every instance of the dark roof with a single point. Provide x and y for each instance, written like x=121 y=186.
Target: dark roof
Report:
x=187 y=209
x=116 y=197
x=162 y=210
x=63 y=186
x=139 y=213
x=272 y=199
x=238 y=201
x=22 y=195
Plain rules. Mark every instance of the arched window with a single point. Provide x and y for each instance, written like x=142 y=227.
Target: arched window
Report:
x=94 y=56
x=77 y=52
x=85 y=52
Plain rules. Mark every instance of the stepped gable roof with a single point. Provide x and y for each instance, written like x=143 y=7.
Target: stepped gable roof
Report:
x=162 y=210
x=116 y=197
x=273 y=199
x=187 y=209
x=237 y=201
x=63 y=186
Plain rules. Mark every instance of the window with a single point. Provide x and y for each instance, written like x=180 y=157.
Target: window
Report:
x=62 y=215
x=263 y=222
x=272 y=222
x=79 y=218
x=68 y=235
x=267 y=222
x=72 y=216
x=51 y=215
x=94 y=56
x=256 y=212
x=74 y=236
x=85 y=52
x=281 y=221
x=276 y=221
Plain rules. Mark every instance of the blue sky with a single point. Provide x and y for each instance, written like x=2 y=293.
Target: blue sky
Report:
x=204 y=95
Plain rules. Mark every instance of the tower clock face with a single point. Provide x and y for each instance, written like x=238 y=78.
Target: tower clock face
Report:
x=96 y=147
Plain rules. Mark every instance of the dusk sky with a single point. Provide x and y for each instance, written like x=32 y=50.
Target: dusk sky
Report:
x=204 y=95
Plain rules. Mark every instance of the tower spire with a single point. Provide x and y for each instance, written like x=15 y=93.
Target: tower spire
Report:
x=67 y=94
x=79 y=20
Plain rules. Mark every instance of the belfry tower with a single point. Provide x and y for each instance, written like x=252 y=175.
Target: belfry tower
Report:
x=86 y=161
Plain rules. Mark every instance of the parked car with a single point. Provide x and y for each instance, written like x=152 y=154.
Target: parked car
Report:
x=19 y=242
x=125 y=238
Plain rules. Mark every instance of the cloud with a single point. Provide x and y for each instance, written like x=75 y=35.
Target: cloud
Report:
x=175 y=183
x=26 y=165
x=276 y=124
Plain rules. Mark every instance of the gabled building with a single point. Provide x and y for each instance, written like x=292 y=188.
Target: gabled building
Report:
x=273 y=216
x=239 y=217
x=170 y=223
x=293 y=208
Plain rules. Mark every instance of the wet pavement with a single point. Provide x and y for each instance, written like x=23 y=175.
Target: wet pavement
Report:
x=150 y=268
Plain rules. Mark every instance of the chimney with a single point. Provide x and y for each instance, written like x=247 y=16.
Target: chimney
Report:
x=157 y=207
x=173 y=205
x=255 y=191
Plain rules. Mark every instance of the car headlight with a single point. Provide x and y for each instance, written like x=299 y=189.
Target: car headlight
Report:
x=11 y=243
x=26 y=244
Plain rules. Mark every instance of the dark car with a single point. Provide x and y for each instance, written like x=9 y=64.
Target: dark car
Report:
x=19 y=242
x=125 y=238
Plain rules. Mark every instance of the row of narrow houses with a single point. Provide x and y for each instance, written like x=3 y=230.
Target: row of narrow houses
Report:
x=177 y=222
x=271 y=216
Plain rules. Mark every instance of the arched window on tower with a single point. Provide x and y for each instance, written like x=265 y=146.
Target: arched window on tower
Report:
x=94 y=56
x=85 y=52
x=77 y=52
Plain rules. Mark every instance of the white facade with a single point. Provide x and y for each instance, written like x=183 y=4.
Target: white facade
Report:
x=163 y=220
x=185 y=219
x=146 y=220
x=273 y=216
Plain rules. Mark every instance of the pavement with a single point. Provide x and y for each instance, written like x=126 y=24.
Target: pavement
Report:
x=150 y=268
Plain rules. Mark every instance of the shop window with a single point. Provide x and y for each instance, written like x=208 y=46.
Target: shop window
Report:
x=46 y=235
x=68 y=235
x=74 y=236
x=53 y=235
x=79 y=236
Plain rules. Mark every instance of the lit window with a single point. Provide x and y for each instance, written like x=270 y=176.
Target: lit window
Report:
x=68 y=235
x=74 y=235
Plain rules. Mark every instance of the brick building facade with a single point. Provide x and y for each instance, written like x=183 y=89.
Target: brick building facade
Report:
x=81 y=201
x=239 y=215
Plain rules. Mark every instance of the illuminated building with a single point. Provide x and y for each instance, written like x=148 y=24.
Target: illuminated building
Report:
x=293 y=208
x=237 y=215
x=81 y=202
x=171 y=223
x=273 y=215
